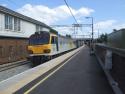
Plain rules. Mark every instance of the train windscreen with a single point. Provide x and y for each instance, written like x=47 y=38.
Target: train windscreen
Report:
x=39 y=39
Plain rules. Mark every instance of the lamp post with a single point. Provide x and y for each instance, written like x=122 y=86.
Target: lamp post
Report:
x=91 y=44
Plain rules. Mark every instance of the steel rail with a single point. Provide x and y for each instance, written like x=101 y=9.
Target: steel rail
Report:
x=13 y=65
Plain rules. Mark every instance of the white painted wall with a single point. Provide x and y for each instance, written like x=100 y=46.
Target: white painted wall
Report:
x=27 y=28
x=1 y=22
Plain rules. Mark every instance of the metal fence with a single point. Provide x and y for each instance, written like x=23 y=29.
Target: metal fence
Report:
x=112 y=61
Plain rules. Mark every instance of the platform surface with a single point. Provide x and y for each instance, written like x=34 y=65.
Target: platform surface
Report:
x=81 y=75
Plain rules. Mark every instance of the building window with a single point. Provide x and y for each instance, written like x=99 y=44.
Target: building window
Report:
x=8 y=22
x=16 y=24
x=38 y=28
x=12 y=23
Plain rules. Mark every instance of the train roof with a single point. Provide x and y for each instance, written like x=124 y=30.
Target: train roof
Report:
x=53 y=31
x=65 y=36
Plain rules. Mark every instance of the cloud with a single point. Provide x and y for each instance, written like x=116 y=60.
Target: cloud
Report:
x=52 y=15
x=105 y=24
x=84 y=12
x=61 y=13
x=79 y=33
x=65 y=30
x=109 y=25
x=100 y=27
x=119 y=26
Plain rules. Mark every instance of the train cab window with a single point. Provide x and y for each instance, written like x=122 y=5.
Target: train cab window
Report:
x=54 y=40
x=39 y=38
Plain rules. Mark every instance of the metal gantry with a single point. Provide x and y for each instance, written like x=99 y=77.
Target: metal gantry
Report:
x=74 y=26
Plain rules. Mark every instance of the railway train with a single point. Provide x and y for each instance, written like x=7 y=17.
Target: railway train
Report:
x=14 y=38
x=45 y=45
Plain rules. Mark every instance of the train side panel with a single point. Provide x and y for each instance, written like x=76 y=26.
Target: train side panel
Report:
x=65 y=44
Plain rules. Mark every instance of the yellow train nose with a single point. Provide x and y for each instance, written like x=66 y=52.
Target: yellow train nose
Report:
x=30 y=51
x=40 y=49
x=47 y=51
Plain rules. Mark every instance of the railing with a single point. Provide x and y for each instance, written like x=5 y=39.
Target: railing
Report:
x=112 y=61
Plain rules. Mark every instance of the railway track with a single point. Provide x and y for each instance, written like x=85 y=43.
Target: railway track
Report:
x=12 y=65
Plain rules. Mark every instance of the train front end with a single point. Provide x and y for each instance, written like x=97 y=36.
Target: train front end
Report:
x=39 y=47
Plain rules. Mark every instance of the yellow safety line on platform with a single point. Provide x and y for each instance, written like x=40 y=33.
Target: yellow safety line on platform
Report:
x=28 y=91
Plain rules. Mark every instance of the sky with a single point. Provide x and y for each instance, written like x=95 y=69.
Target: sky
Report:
x=107 y=14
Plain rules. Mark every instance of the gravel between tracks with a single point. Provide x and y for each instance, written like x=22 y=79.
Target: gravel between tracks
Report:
x=14 y=71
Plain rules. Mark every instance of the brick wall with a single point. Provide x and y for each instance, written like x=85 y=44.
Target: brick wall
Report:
x=13 y=49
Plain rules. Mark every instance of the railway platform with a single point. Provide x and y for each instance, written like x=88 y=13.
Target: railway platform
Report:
x=79 y=74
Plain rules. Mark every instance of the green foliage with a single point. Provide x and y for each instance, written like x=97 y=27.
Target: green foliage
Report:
x=102 y=38
x=69 y=36
x=53 y=31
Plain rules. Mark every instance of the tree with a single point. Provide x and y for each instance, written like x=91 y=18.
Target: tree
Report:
x=69 y=36
x=103 y=38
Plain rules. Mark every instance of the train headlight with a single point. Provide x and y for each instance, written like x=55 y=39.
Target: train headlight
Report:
x=47 y=51
x=30 y=51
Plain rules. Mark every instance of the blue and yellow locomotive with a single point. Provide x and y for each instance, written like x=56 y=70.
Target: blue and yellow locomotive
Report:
x=45 y=45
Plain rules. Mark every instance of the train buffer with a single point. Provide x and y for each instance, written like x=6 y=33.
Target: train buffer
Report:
x=73 y=73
